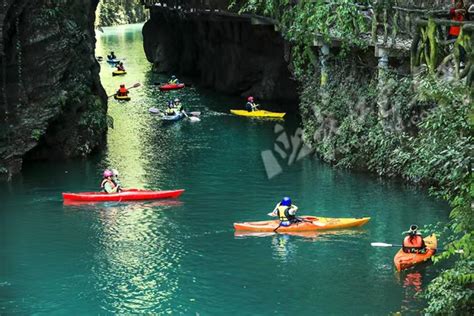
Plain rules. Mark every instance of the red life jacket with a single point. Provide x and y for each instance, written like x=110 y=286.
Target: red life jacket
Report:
x=123 y=91
x=454 y=30
x=413 y=244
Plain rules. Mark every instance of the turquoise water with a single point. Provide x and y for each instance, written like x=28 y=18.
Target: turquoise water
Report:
x=182 y=256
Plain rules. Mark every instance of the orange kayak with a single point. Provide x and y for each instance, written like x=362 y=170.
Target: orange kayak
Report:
x=405 y=260
x=311 y=223
x=311 y=234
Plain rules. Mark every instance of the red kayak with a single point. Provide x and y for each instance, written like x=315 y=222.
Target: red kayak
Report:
x=174 y=86
x=125 y=195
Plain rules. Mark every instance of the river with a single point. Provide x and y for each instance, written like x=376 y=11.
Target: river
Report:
x=182 y=256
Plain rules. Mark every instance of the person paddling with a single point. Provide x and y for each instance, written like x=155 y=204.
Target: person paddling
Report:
x=413 y=242
x=120 y=66
x=111 y=56
x=250 y=105
x=286 y=212
x=173 y=80
x=171 y=110
x=177 y=105
x=122 y=92
x=116 y=180
x=108 y=184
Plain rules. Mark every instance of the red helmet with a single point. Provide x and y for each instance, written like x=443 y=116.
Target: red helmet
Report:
x=250 y=99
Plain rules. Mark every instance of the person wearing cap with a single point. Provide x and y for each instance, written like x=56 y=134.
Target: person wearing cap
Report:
x=170 y=110
x=177 y=105
x=173 y=80
x=413 y=242
x=116 y=180
x=122 y=92
x=250 y=105
x=286 y=212
x=108 y=185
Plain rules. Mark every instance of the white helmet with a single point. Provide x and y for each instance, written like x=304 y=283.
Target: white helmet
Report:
x=115 y=172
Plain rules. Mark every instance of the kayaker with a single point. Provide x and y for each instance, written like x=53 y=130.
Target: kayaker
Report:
x=458 y=14
x=116 y=179
x=111 y=56
x=171 y=110
x=286 y=212
x=413 y=242
x=173 y=80
x=177 y=105
x=250 y=105
x=122 y=92
x=120 y=66
x=108 y=185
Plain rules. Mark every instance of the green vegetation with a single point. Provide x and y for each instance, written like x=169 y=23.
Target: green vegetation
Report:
x=339 y=19
x=115 y=12
x=415 y=128
x=36 y=134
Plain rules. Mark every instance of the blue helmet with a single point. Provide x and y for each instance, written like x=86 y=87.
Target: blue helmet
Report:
x=286 y=201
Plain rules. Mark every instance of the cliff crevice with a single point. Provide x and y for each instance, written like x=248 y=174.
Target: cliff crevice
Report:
x=52 y=102
x=229 y=55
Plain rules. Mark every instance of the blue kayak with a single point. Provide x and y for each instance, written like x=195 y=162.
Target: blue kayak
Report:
x=172 y=118
x=113 y=61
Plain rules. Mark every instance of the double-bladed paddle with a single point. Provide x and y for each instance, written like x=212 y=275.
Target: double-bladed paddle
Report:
x=134 y=86
x=382 y=244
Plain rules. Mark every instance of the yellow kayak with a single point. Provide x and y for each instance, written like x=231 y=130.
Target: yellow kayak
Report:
x=259 y=113
x=122 y=98
x=118 y=73
x=310 y=223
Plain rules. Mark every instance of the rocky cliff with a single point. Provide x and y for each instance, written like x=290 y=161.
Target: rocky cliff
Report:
x=52 y=103
x=229 y=55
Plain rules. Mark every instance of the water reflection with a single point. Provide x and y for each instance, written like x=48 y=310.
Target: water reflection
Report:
x=82 y=205
x=313 y=235
x=284 y=244
x=412 y=283
x=135 y=258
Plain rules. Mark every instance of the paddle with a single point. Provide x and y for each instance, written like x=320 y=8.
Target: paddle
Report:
x=382 y=244
x=299 y=219
x=134 y=86
x=291 y=223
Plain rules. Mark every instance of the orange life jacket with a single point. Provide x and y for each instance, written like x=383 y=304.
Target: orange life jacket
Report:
x=413 y=244
x=454 y=30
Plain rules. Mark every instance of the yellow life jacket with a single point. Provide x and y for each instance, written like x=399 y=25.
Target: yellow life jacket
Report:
x=281 y=212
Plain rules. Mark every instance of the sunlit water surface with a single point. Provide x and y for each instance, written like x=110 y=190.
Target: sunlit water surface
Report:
x=182 y=256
